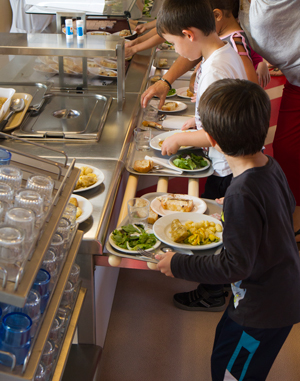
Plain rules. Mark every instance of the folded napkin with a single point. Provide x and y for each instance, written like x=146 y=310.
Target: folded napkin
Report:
x=175 y=122
x=163 y=162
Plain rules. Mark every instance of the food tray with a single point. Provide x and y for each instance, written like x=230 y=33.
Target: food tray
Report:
x=170 y=56
x=17 y=118
x=150 y=197
x=134 y=155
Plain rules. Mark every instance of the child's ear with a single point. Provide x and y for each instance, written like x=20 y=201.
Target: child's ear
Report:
x=189 y=34
x=218 y=14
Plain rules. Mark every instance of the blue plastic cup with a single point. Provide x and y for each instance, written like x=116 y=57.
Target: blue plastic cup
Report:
x=5 y=157
x=15 y=329
x=41 y=283
x=15 y=337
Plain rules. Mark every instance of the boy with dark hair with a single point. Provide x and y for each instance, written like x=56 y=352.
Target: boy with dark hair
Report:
x=191 y=27
x=260 y=256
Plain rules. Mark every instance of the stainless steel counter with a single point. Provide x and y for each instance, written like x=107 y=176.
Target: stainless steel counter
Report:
x=108 y=154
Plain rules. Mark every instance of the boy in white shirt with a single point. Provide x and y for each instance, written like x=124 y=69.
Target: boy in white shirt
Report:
x=190 y=26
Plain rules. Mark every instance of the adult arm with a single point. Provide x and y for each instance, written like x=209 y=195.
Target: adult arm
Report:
x=148 y=44
x=141 y=28
x=160 y=89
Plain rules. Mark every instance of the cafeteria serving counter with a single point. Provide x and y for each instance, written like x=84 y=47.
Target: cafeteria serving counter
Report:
x=108 y=154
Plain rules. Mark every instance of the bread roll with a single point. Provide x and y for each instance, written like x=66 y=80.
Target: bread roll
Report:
x=152 y=217
x=143 y=166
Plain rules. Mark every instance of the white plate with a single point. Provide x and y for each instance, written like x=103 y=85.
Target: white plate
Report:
x=154 y=143
x=98 y=61
x=162 y=229
x=181 y=106
x=199 y=205
x=98 y=173
x=98 y=33
x=132 y=34
x=175 y=122
x=86 y=207
x=172 y=158
x=45 y=69
x=182 y=92
x=113 y=244
x=98 y=70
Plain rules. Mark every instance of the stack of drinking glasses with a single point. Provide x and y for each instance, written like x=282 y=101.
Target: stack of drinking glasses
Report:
x=22 y=213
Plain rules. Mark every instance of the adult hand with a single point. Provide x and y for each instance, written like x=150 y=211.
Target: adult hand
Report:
x=160 y=89
x=263 y=74
x=170 y=145
x=141 y=28
x=129 y=51
x=194 y=98
x=164 y=264
x=190 y=123
x=220 y=201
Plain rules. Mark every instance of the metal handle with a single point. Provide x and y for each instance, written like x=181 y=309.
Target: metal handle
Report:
x=4 y=122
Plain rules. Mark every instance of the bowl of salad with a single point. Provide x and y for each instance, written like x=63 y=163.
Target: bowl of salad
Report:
x=190 y=162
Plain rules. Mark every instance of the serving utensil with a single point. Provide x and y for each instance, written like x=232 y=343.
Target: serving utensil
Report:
x=147 y=254
x=36 y=108
x=17 y=105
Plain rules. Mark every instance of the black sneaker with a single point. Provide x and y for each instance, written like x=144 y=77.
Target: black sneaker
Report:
x=201 y=300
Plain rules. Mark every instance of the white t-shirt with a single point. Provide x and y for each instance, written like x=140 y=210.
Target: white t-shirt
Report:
x=275 y=30
x=222 y=63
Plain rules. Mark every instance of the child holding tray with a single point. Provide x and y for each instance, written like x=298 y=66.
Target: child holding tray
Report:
x=260 y=257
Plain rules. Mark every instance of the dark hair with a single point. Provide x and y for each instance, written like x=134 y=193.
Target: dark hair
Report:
x=176 y=15
x=227 y=6
x=236 y=114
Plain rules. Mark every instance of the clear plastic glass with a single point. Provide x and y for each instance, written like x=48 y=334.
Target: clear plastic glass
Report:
x=142 y=137
x=138 y=210
x=74 y=274
x=57 y=245
x=33 y=200
x=68 y=295
x=42 y=184
x=70 y=214
x=11 y=245
x=6 y=192
x=40 y=373
x=11 y=175
x=48 y=353
x=56 y=330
